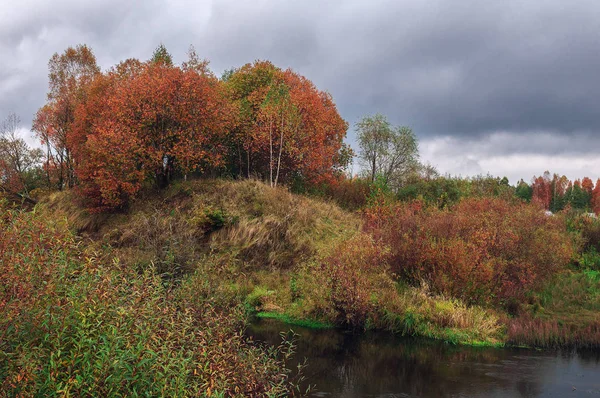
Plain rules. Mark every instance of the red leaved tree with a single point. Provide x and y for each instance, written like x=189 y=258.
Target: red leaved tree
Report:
x=70 y=73
x=542 y=190
x=152 y=122
x=285 y=126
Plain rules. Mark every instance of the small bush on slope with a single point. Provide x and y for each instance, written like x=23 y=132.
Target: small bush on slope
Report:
x=352 y=273
x=361 y=292
x=73 y=324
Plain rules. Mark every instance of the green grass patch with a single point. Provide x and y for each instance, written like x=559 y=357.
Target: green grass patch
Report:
x=307 y=323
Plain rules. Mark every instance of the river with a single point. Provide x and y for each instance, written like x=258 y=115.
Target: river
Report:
x=377 y=364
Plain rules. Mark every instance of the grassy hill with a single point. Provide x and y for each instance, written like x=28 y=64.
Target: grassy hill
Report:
x=273 y=251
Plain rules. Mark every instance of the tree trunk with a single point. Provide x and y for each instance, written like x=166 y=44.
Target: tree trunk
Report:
x=271 y=153
x=248 y=147
x=240 y=163
x=48 y=163
x=280 y=150
x=373 y=169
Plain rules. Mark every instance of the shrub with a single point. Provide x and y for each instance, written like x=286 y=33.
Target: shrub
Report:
x=589 y=228
x=590 y=259
x=350 y=272
x=350 y=194
x=482 y=250
x=73 y=324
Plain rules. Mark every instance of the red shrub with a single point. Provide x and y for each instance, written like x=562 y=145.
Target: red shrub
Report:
x=347 y=271
x=482 y=250
x=350 y=194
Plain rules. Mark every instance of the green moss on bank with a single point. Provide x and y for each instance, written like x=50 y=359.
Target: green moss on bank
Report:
x=307 y=323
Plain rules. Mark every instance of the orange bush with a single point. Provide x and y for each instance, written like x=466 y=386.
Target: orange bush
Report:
x=482 y=250
x=347 y=272
x=349 y=193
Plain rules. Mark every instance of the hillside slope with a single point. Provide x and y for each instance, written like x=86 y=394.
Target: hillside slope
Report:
x=281 y=255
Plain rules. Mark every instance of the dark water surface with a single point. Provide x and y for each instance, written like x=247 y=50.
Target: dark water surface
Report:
x=384 y=365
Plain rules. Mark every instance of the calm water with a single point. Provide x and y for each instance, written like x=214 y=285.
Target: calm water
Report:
x=383 y=365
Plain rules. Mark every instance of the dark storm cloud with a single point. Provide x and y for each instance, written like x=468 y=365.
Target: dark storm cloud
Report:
x=32 y=31
x=502 y=78
x=462 y=69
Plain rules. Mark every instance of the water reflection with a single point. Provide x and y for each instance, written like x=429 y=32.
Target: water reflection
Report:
x=383 y=365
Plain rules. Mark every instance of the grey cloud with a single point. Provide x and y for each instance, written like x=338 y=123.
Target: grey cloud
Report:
x=506 y=143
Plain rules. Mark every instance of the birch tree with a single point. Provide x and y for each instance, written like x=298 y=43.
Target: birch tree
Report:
x=386 y=151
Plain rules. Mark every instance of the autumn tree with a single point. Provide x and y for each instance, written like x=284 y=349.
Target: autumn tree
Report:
x=313 y=151
x=583 y=198
x=18 y=162
x=69 y=74
x=247 y=87
x=587 y=185
x=285 y=127
x=542 y=190
x=151 y=125
x=388 y=151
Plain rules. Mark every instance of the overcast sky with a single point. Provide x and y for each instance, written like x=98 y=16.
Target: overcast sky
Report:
x=506 y=87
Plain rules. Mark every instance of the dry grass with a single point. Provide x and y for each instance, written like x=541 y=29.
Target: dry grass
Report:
x=64 y=205
x=565 y=312
x=417 y=311
x=536 y=332
x=273 y=227
x=247 y=223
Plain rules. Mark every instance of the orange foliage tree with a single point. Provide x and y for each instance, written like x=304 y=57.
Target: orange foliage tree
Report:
x=542 y=190
x=148 y=122
x=587 y=185
x=70 y=73
x=285 y=126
